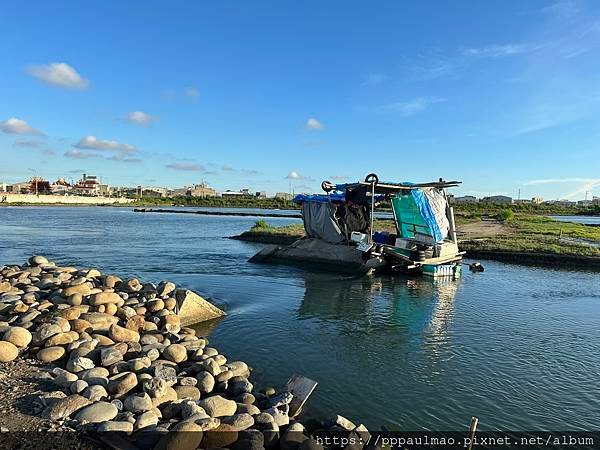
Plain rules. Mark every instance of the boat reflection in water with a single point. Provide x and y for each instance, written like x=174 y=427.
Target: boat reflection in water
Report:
x=375 y=304
x=379 y=335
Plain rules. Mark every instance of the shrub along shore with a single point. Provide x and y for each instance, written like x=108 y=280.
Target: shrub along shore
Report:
x=126 y=371
x=520 y=238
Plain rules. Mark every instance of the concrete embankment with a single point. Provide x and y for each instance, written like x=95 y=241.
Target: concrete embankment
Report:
x=120 y=365
x=60 y=199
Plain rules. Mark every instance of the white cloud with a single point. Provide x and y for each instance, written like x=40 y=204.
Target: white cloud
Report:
x=124 y=158
x=78 y=154
x=18 y=126
x=191 y=92
x=314 y=124
x=414 y=106
x=140 y=118
x=186 y=167
x=28 y=143
x=583 y=184
x=560 y=180
x=498 y=51
x=58 y=74
x=293 y=175
x=92 y=143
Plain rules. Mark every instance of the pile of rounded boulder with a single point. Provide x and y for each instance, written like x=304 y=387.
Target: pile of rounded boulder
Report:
x=128 y=372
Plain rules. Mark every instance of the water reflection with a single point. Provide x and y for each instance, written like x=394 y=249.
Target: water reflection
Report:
x=375 y=305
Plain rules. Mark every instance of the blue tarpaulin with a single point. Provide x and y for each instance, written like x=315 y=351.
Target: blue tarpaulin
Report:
x=332 y=197
x=427 y=213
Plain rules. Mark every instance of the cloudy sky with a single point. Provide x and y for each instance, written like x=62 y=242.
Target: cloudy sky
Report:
x=267 y=94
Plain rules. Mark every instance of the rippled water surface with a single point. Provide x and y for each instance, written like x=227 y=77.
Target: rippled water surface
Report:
x=516 y=346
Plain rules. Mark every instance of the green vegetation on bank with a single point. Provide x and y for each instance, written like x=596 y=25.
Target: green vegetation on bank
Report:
x=538 y=234
x=217 y=202
x=461 y=209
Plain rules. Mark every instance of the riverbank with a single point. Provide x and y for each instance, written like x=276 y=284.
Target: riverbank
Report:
x=522 y=239
x=7 y=199
x=111 y=359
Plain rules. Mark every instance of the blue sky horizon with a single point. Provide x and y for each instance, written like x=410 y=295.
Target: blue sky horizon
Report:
x=266 y=95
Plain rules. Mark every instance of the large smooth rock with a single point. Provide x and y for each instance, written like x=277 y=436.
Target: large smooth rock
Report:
x=175 y=352
x=183 y=436
x=110 y=356
x=206 y=382
x=46 y=331
x=237 y=422
x=115 y=426
x=217 y=406
x=103 y=298
x=187 y=392
x=79 y=364
x=95 y=392
x=8 y=351
x=122 y=334
x=137 y=403
x=38 y=260
x=50 y=354
x=145 y=420
x=155 y=387
x=100 y=321
x=64 y=407
x=122 y=383
x=97 y=412
x=81 y=289
x=20 y=337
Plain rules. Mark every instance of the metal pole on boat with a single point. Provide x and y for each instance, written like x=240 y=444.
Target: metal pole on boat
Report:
x=372 y=206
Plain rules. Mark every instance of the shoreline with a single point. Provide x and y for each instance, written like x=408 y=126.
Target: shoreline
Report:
x=113 y=359
x=526 y=258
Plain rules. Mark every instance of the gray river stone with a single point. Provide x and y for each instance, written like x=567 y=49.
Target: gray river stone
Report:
x=218 y=406
x=115 y=426
x=206 y=382
x=98 y=412
x=137 y=403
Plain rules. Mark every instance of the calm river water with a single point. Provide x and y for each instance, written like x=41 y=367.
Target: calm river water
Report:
x=516 y=346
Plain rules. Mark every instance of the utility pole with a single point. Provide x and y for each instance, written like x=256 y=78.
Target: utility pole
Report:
x=519 y=197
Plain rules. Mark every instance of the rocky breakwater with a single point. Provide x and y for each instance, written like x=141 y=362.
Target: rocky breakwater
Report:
x=126 y=370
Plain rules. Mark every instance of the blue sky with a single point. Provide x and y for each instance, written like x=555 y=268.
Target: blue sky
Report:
x=263 y=94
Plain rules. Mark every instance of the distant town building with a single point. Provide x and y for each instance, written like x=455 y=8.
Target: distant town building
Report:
x=240 y=193
x=60 y=187
x=154 y=191
x=522 y=201
x=563 y=203
x=596 y=201
x=19 y=188
x=232 y=194
x=537 y=200
x=38 y=185
x=498 y=199
x=202 y=190
x=585 y=203
x=87 y=185
x=283 y=196
x=261 y=194
x=465 y=199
